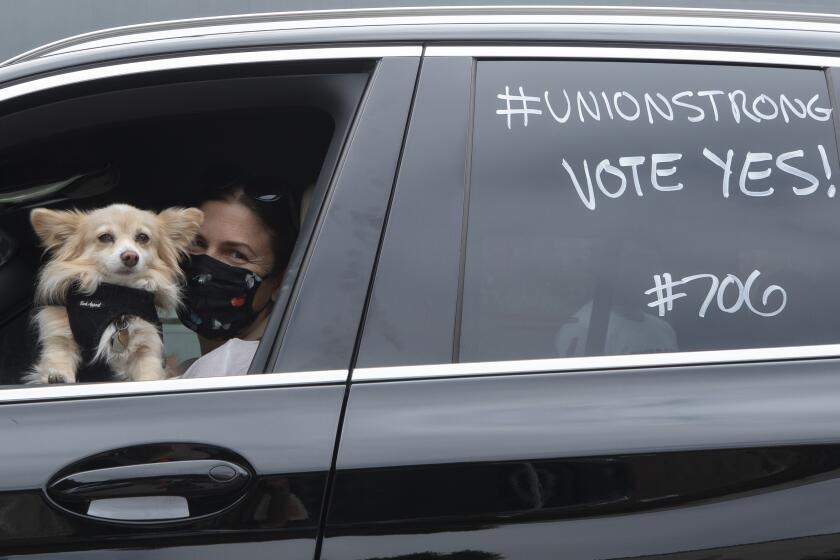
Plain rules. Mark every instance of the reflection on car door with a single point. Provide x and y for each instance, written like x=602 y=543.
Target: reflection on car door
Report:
x=738 y=459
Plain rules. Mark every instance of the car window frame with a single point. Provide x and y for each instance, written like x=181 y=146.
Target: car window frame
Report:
x=72 y=76
x=484 y=52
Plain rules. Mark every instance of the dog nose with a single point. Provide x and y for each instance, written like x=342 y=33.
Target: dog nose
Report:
x=129 y=258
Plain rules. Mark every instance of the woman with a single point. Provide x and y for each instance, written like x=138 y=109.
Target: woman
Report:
x=234 y=272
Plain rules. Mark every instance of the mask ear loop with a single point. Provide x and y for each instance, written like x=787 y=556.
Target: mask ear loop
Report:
x=261 y=309
x=270 y=301
x=264 y=307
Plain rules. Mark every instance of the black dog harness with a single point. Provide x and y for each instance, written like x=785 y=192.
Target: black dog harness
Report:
x=91 y=314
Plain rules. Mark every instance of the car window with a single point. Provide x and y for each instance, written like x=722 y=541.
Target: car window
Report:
x=623 y=208
x=161 y=145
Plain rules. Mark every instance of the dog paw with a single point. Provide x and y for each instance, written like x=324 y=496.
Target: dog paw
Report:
x=55 y=376
x=42 y=376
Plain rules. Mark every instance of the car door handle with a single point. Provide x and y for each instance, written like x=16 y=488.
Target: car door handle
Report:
x=153 y=483
x=199 y=478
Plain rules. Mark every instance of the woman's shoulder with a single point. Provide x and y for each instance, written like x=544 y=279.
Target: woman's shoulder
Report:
x=231 y=358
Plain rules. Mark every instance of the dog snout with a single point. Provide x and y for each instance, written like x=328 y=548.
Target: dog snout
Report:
x=129 y=258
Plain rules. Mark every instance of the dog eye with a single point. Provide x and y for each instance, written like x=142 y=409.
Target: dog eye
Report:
x=106 y=238
x=141 y=238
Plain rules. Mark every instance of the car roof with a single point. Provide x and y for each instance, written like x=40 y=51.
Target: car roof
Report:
x=383 y=17
x=768 y=29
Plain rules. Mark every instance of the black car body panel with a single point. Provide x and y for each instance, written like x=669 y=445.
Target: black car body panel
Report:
x=618 y=464
x=284 y=504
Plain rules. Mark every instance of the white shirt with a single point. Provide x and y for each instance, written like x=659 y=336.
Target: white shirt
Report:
x=231 y=358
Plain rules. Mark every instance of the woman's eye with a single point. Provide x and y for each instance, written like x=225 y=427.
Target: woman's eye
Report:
x=106 y=238
x=198 y=246
x=141 y=238
x=239 y=256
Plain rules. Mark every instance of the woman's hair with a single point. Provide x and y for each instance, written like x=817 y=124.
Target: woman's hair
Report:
x=276 y=210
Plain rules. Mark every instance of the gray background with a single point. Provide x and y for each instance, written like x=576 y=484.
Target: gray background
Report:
x=27 y=24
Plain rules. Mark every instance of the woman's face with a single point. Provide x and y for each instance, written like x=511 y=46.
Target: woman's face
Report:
x=232 y=234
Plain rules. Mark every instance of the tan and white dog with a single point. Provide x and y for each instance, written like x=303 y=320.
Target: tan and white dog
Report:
x=121 y=246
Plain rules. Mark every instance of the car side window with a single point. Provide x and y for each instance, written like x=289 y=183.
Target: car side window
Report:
x=628 y=207
x=155 y=145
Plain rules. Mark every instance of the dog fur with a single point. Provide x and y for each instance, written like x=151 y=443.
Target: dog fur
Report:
x=89 y=248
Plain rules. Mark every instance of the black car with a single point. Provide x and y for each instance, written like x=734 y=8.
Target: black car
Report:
x=565 y=289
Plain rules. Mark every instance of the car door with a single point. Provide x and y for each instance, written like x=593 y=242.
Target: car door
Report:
x=603 y=317
x=224 y=466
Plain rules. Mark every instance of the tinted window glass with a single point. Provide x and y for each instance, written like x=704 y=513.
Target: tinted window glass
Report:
x=604 y=218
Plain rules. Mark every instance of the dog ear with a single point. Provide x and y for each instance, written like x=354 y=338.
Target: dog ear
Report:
x=54 y=227
x=181 y=224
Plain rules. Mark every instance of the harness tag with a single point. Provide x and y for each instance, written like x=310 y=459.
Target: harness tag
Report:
x=119 y=340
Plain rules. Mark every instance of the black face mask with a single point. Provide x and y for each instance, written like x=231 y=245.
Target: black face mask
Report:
x=218 y=298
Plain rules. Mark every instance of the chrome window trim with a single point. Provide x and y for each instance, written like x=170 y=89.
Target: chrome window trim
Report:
x=380 y=17
x=201 y=61
x=635 y=53
x=39 y=393
x=597 y=363
x=415 y=372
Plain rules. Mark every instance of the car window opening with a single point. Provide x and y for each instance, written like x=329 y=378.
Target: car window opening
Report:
x=174 y=158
